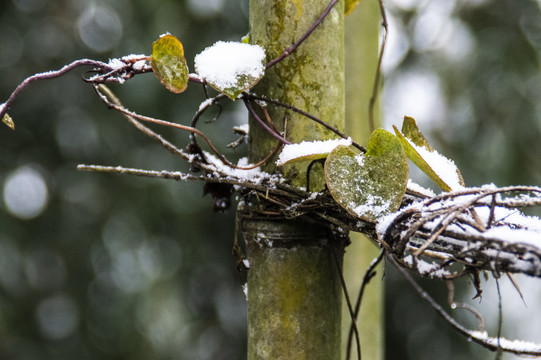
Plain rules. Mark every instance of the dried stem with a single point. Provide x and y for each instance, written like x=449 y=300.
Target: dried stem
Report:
x=304 y=113
x=175 y=125
x=50 y=75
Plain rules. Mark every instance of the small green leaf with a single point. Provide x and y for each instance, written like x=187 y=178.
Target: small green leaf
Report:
x=231 y=67
x=440 y=169
x=412 y=132
x=349 y=5
x=169 y=64
x=372 y=185
x=245 y=39
x=6 y=119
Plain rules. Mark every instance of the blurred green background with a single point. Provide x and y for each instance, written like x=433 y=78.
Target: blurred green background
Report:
x=96 y=266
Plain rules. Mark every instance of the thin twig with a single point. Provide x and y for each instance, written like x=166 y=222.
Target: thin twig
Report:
x=460 y=305
x=50 y=75
x=147 y=131
x=375 y=87
x=293 y=47
x=309 y=116
x=202 y=108
x=500 y=320
x=170 y=124
x=263 y=124
x=352 y=313
x=368 y=275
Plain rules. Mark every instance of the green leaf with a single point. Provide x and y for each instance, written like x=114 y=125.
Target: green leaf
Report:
x=440 y=169
x=349 y=5
x=412 y=132
x=231 y=67
x=372 y=185
x=169 y=64
x=6 y=119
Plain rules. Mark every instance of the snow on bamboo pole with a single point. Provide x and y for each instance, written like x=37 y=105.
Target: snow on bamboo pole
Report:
x=294 y=296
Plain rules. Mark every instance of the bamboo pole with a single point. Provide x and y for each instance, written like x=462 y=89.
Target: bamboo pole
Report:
x=294 y=295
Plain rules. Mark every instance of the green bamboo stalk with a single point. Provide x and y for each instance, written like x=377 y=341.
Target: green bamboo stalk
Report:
x=362 y=28
x=312 y=79
x=294 y=294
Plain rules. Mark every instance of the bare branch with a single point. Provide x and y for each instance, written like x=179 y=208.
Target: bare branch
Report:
x=49 y=75
x=304 y=113
x=132 y=114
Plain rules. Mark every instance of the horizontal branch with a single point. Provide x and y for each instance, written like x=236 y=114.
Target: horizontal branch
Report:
x=418 y=236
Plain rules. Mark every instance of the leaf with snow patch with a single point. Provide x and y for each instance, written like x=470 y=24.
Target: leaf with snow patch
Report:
x=440 y=169
x=169 y=64
x=309 y=150
x=349 y=5
x=231 y=67
x=6 y=119
x=372 y=185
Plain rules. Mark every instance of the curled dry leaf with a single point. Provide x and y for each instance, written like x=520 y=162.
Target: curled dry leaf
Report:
x=6 y=119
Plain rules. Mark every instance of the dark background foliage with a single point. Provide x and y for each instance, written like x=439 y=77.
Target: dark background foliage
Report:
x=116 y=267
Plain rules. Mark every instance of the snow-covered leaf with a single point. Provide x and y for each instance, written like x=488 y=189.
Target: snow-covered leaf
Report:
x=349 y=5
x=231 y=67
x=6 y=119
x=440 y=169
x=309 y=150
x=169 y=64
x=372 y=185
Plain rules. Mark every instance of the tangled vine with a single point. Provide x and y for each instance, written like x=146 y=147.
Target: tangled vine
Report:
x=457 y=233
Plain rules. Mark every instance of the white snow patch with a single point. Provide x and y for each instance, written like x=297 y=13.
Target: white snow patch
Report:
x=426 y=268
x=517 y=345
x=445 y=168
x=255 y=175
x=139 y=62
x=307 y=148
x=374 y=205
x=196 y=77
x=133 y=57
x=116 y=64
x=205 y=104
x=384 y=223
x=525 y=236
x=243 y=129
x=245 y=290
x=223 y=63
x=413 y=186
x=139 y=65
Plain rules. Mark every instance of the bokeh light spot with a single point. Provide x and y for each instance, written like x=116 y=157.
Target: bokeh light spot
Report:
x=25 y=193
x=205 y=9
x=100 y=28
x=57 y=316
